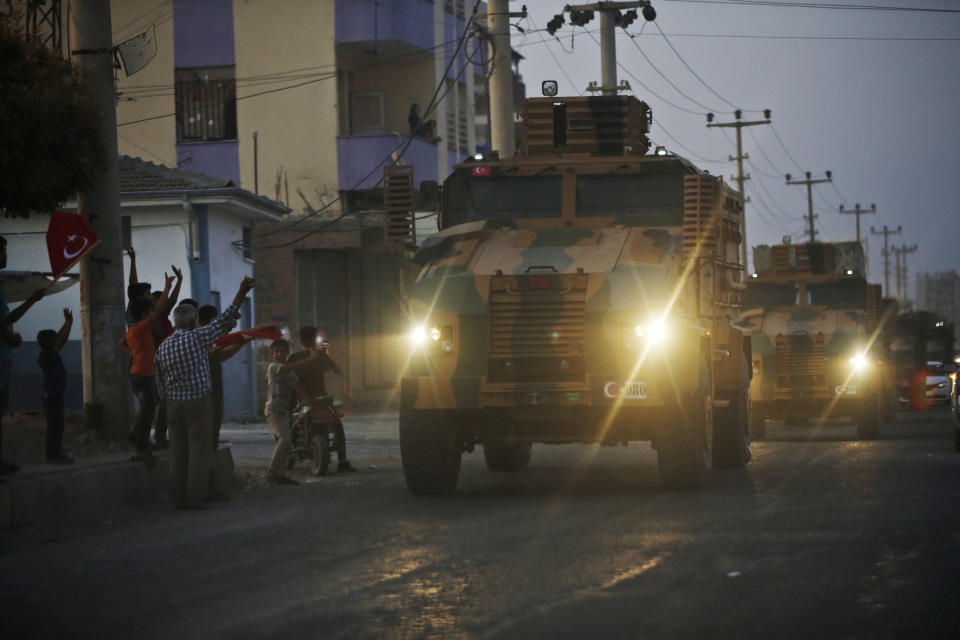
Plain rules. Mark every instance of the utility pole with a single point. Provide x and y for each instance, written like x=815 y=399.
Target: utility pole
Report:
x=902 y=282
x=105 y=386
x=610 y=17
x=859 y=212
x=503 y=138
x=809 y=182
x=886 y=233
x=899 y=275
x=739 y=124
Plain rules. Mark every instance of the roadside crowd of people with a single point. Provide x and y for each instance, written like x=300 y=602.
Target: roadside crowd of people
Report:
x=177 y=378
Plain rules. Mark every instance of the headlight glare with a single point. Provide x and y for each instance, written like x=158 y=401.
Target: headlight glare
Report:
x=858 y=361
x=435 y=334
x=418 y=335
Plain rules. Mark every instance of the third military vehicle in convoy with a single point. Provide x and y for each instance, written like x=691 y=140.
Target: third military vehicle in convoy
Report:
x=818 y=348
x=579 y=292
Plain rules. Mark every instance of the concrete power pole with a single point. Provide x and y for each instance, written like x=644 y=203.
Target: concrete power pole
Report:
x=105 y=386
x=610 y=17
x=811 y=232
x=503 y=137
x=859 y=212
x=902 y=275
x=886 y=233
x=739 y=124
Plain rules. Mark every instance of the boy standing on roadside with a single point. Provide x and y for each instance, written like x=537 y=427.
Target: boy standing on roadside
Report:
x=54 y=384
x=281 y=382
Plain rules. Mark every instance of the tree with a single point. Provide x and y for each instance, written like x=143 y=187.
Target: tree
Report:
x=49 y=127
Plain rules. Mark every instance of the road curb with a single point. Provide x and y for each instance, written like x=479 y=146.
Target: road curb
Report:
x=35 y=495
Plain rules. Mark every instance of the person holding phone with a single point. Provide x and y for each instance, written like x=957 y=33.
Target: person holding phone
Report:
x=312 y=378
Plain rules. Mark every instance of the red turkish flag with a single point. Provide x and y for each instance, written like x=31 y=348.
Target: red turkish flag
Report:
x=69 y=238
x=234 y=338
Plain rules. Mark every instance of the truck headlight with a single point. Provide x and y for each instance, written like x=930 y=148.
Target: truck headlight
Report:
x=438 y=339
x=418 y=336
x=655 y=331
x=858 y=362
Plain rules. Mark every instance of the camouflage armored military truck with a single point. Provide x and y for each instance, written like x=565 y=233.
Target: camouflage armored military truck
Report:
x=580 y=292
x=817 y=347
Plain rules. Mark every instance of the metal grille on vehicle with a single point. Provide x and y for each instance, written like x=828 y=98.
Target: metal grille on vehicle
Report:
x=800 y=361
x=537 y=333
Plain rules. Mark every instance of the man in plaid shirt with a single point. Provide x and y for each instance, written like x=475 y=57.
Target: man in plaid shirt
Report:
x=182 y=369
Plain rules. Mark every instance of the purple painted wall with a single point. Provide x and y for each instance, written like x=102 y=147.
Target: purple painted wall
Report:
x=203 y=33
x=359 y=155
x=405 y=20
x=216 y=159
x=203 y=37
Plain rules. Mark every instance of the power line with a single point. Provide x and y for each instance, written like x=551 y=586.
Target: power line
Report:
x=321 y=78
x=817 y=5
x=117 y=30
x=668 y=80
x=434 y=101
x=641 y=83
x=681 y=145
x=690 y=69
x=785 y=150
x=550 y=51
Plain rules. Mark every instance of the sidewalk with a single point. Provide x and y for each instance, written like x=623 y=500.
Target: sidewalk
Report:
x=39 y=492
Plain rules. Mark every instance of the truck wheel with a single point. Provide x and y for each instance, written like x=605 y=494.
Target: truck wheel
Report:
x=429 y=452
x=685 y=450
x=731 y=444
x=868 y=423
x=507 y=457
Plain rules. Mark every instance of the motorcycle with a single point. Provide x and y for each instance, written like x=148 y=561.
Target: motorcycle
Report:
x=313 y=434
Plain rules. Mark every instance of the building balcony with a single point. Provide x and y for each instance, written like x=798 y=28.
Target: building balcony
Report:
x=359 y=155
x=383 y=25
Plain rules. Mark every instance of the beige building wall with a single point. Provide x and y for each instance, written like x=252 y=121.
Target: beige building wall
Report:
x=297 y=128
x=149 y=92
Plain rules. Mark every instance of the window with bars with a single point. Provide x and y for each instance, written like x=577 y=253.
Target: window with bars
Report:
x=206 y=104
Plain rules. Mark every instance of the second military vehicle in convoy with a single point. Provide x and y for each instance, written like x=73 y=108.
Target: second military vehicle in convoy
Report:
x=818 y=347
x=580 y=292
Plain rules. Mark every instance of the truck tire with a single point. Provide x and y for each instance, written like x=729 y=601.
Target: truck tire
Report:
x=685 y=450
x=507 y=457
x=731 y=425
x=429 y=453
x=868 y=422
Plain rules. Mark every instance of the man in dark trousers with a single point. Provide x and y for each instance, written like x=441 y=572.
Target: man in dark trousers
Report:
x=311 y=377
x=183 y=378
x=54 y=385
x=9 y=340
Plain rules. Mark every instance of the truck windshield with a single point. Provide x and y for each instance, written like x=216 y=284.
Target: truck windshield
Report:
x=654 y=199
x=491 y=198
x=839 y=295
x=771 y=295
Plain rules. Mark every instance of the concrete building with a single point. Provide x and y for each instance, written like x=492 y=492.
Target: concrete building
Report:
x=940 y=292
x=301 y=96
x=171 y=217
x=306 y=101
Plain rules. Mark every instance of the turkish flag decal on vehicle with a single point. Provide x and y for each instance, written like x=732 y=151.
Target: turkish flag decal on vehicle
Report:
x=69 y=238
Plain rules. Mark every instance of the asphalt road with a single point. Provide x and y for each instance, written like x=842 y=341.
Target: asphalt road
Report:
x=822 y=536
